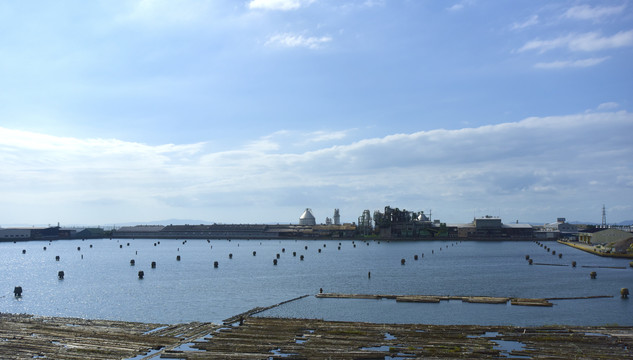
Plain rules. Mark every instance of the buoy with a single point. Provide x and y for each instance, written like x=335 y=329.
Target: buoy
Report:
x=91 y=246
x=415 y=257
x=402 y=261
x=60 y=275
x=306 y=247
x=294 y=253
x=128 y=244
x=120 y=246
x=254 y=253
x=132 y=262
x=274 y=261
x=339 y=248
x=24 y=251
x=277 y=255
x=573 y=264
x=216 y=264
x=319 y=250
x=624 y=293
x=141 y=274
x=154 y=244
x=17 y=291
x=369 y=274
x=283 y=250
x=354 y=245
x=323 y=245
x=301 y=257
x=57 y=258
x=530 y=261
x=44 y=248
x=78 y=248
x=153 y=264
x=593 y=274
x=230 y=256
x=178 y=258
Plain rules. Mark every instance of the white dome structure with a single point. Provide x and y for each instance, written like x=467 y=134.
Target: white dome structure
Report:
x=307 y=218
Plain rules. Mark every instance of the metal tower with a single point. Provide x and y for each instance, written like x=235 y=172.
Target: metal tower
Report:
x=604 y=217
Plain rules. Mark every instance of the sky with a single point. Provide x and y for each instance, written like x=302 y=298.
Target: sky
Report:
x=250 y=111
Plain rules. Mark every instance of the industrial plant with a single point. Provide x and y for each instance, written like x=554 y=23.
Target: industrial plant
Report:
x=389 y=223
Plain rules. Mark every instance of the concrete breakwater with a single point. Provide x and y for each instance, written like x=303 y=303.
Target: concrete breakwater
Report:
x=593 y=250
x=26 y=336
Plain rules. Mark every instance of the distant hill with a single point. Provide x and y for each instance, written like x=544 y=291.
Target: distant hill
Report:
x=167 y=222
x=621 y=223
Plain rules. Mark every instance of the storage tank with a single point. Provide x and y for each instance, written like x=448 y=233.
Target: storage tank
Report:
x=307 y=218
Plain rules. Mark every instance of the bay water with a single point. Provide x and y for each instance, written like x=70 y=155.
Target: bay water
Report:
x=100 y=283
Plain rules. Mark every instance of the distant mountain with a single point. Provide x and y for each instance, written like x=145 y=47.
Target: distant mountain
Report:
x=582 y=223
x=621 y=223
x=167 y=222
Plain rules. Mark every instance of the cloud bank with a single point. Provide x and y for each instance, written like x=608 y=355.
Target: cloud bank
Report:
x=534 y=168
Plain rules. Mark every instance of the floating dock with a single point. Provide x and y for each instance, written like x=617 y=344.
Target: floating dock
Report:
x=438 y=298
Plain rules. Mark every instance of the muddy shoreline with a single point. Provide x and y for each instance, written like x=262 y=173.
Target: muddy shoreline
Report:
x=27 y=336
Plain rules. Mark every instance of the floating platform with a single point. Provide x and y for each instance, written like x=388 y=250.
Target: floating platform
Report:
x=438 y=298
x=28 y=337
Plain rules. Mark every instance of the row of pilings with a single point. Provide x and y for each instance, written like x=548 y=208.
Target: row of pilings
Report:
x=624 y=292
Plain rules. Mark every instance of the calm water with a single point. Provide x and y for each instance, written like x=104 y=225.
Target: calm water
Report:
x=103 y=284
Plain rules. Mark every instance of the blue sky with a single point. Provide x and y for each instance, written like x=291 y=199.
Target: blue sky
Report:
x=251 y=111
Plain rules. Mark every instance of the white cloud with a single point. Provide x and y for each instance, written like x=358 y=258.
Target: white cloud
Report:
x=583 y=63
x=460 y=5
x=530 y=162
x=372 y=3
x=608 y=106
x=586 y=12
x=297 y=40
x=531 y=21
x=284 y=5
x=591 y=41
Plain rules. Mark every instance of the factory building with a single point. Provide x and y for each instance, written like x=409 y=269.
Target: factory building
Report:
x=491 y=228
x=603 y=236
